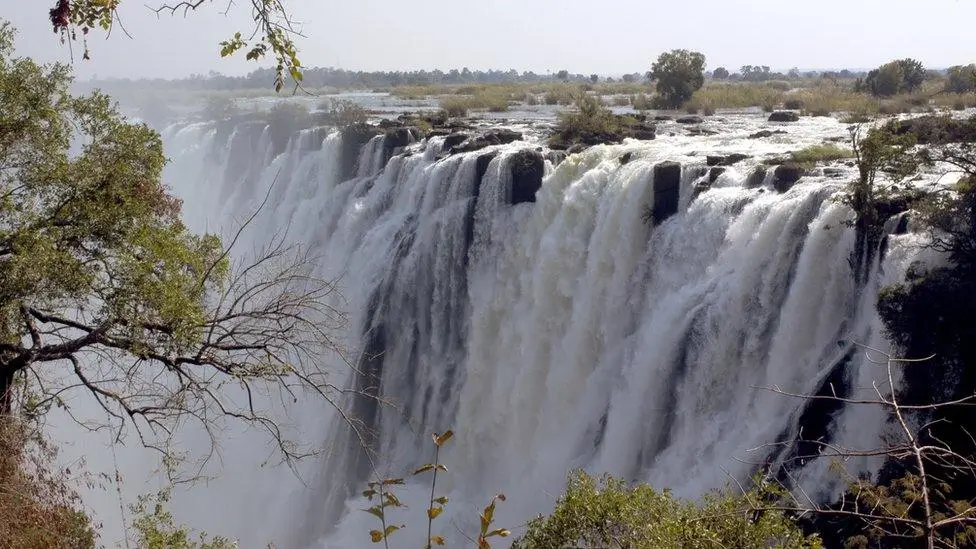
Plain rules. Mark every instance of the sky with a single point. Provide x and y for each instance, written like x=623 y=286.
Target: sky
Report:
x=607 y=37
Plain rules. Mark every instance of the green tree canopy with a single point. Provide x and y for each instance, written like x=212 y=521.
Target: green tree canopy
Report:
x=103 y=290
x=899 y=76
x=273 y=34
x=678 y=74
x=962 y=79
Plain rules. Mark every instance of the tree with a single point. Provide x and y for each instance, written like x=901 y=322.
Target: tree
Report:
x=105 y=293
x=563 y=75
x=900 y=76
x=629 y=78
x=274 y=31
x=679 y=74
x=594 y=78
x=720 y=73
x=962 y=79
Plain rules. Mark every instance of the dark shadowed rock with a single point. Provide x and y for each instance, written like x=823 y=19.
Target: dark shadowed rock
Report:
x=626 y=157
x=834 y=172
x=353 y=139
x=500 y=136
x=454 y=140
x=663 y=118
x=784 y=116
x=438 y=132
x=556 y=157
x=667 y=189
x=577 y=148
x=481 y=166
x=725 y=160
x=786 y=175
x=690 y=119
x=527 y=167
x=756 y=178
x=714 y=173
x=766 y=133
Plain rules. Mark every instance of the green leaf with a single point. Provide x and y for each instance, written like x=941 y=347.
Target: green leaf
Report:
x=500 y=532
x=390 y=529
x=376 y=511
x=441 y=500
x=424 y=469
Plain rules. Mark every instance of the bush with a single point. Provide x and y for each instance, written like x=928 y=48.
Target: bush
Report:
x=641 y=102
x=344 y=113
x=903 y=75
x=611 y=513
x=961 y=79
x=155 y=527
x=827 y=152
x=38 y=507
x=455 y=107
x=735 y=96
x=794 y=104
x=678 y=75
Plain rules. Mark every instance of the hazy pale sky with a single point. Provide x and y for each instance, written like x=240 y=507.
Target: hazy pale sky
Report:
x=584 y=36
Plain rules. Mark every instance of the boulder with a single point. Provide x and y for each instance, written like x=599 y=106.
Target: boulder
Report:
x=784 y=116
x=834 y=172
x=354 y=137
x=492 y=137
x=714 y=174
x=727 y=160
x=644 y=132
x=481 y=166
x=438 y=132
x=626 y=157
x=662 y=118
x=556 y=157
x=527 y=166
x=765 y=133
x=667 y=189
x=786 y=175
x=690 y=119
x=454 y=140
x=756 y=178
x=577 y=148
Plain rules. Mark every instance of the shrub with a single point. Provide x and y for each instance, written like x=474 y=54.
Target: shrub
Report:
x=793 y=104
x=455 y=107
x=678 y=75
x=961 y=79
x=611 y=513
x=38 y=506
x=735 y=96
x=827 y=152
x=344 y=113
x=155 y=527
x=641 y=102
x=720 y=73
x=903 y=75
x=621 y=101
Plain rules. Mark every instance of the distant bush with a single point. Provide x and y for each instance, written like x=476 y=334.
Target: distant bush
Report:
x=641 y=102
x=901 y=76
x=735 y=96
x=961 y=79
x=562 y=94
x=611 y=513
x=793 y=104
x=720 y=73
x=455 y=107
x=621 y=101
x=344 y=113
x=219 y=107
x=827 y=152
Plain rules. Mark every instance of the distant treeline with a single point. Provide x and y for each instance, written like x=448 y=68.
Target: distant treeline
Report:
x=346 y=79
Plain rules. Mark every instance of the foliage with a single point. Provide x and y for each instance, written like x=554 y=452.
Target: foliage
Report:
x=827 y=152
x=610 y=513
x=720 y=73
x=344 y=113
x=155 y=527
x=38 y=506
x=961 y=79
x=382 y=490
x=900 y=76
x=220 y=108
x=590 y=118
x=103 y=284
x=641 y=102
x=678 y=75
x=274 y=32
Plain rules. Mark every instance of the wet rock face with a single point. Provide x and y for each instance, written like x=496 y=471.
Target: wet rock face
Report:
x=690 y=119
x=784 y=116
x=727 y=160
x=766 y=133
x=454 y=140
x=527 y=167
x=667 y=189
x=786 y=175
x=500 y=136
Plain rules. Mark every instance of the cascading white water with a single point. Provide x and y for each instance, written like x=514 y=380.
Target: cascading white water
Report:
x=564 y=333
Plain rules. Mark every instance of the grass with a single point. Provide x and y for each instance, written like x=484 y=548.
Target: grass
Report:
x=813 y=154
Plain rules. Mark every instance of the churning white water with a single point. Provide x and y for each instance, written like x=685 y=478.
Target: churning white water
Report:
x=550 y=335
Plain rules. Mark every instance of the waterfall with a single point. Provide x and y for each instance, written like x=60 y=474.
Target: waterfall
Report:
x=566 y=332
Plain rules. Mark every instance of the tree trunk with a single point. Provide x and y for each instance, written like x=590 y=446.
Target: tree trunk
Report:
x=6 y=389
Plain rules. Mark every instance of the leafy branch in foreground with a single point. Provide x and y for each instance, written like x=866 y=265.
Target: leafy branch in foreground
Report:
x=382 y=490
x=273 y=34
